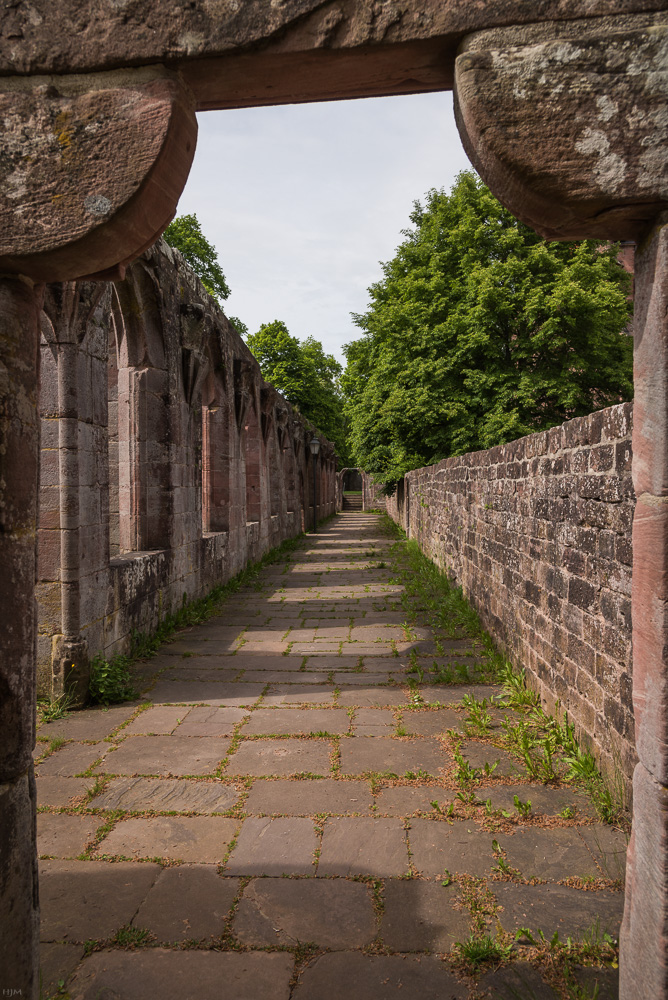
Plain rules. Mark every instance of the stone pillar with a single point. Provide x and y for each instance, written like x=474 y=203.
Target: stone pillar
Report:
x=19 y=485
x=644 y=939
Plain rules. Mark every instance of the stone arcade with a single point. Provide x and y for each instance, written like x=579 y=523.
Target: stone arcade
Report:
x=562 y=107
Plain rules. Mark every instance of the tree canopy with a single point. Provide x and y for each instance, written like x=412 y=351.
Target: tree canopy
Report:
x=481 y=332
x=185 y=234
x=305 y=375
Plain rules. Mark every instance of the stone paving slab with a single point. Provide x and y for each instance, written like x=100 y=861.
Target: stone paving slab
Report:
x=451 y=694
x=518 y=980
x=185 y=671
x=556 y=853
x=187 y=903
x=88 y=724
x=170 y=975
x=57 y=962
x=59 y=792
x=364 y=696
x=550 y=908
x=166 y=795
x=84 y=900
x=332 y=913
x=545 y=801
x=62 y=836
x=281 y=757
x=360 y=846
x=298 y=694
x=421 y=916
x=72 y=759
x=459 y=847
x=432 y=722
x=284 y=721
x=178 y=755
x=404 y=800
x=308 y=798
x=480 y=754
x=397 y=756
x=300 y=677
x=353 y=976
x=178 y=838
x=161 y=720
x=232 y=694
x=211 y=721
x=608 y=847
x=607 y=981
x=283 y=846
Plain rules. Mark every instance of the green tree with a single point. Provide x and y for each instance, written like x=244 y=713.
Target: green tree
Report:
x=480 y=332
x=305 y=375
x=185 y=234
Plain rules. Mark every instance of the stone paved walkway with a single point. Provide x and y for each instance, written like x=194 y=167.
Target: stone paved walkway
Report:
x=286 y=816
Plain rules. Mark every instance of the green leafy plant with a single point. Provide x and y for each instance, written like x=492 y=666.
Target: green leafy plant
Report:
x=110 y=680
x=52 y=709
x=479 y=950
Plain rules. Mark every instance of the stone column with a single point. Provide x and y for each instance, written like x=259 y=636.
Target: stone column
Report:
x=644 y=939
x=19 y=485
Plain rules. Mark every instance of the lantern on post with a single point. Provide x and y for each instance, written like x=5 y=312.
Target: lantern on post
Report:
x=314 y=445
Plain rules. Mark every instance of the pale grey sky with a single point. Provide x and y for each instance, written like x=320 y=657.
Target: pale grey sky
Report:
x=303 y=201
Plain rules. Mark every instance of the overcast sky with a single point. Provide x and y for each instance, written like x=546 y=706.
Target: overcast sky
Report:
x=303 y=201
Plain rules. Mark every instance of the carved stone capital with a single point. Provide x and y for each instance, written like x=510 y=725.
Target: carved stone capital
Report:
x=568 y=122
x=92 y=169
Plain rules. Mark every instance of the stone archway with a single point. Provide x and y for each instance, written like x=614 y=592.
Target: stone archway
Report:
x=562 y=108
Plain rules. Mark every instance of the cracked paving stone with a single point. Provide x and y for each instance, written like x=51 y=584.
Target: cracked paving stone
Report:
x=397 y=756
x=446 y=694
x=82 y=900
x=420 y=916
x=211 y=721
x=158 y=721
x=282 y=846
x=460 y=847
x=332 y=913
x=178 y=838
x=308 y=798
x=550 y=908
x=178 y=755
x=283 y=757
x=166 y=795
x=361 y=846
x=171 y=975
x=57 y=962
x=187 y=903
x=353 y=976
x=608 y=846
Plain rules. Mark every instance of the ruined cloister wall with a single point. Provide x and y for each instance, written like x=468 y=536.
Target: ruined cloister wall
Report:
x=167 y=463
x=538 y=534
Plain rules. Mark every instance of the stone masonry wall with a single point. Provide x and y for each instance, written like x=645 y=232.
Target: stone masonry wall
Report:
x=167 y=463
x=538 y=534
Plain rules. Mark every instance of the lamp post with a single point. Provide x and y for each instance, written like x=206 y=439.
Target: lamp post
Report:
x=314 y=445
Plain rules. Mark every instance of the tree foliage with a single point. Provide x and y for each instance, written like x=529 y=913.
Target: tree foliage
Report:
x=305 y=375
x=185 y=234
x=481 y=332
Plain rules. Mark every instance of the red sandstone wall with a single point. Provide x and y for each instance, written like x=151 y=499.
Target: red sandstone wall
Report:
x=538 y=533
x=167 y=464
